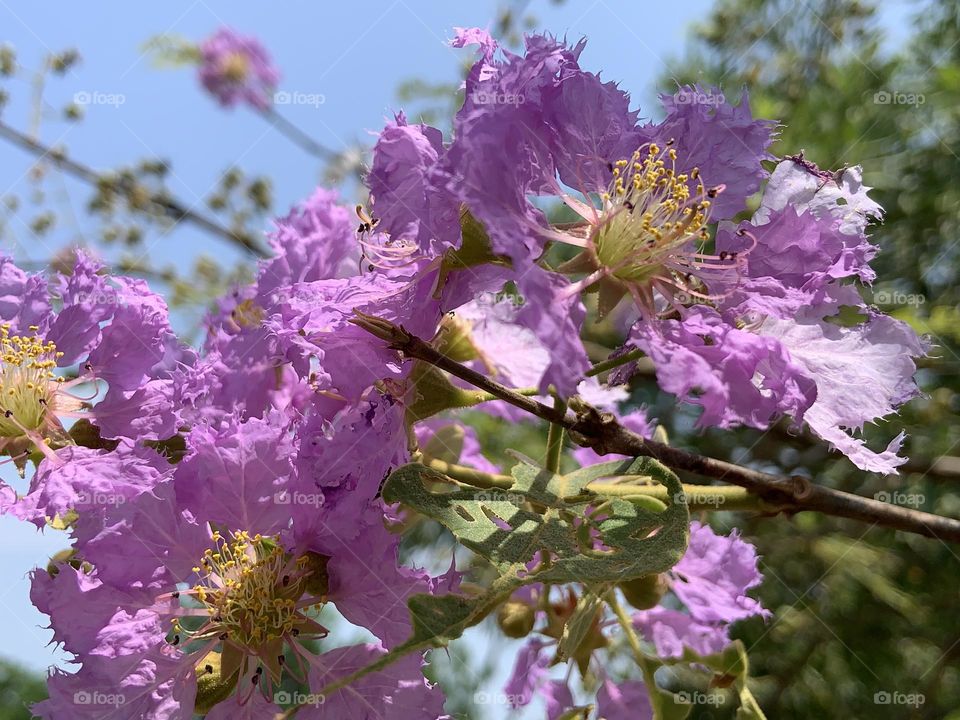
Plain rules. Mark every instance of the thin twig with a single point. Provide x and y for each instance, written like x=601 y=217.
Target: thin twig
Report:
x=296 y=135
x=604 y=433
x=170 y=207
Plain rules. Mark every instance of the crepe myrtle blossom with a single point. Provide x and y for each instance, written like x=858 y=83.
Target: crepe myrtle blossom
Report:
x=66 y=338
x=237 y=69
x=646 y=193
x=200 y=592
x=288 y=339
x=711 y=581
x=781 y=340
x=243 y=364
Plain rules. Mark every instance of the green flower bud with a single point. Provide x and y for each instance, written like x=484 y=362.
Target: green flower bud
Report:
x=645 y=592
x=516 y=619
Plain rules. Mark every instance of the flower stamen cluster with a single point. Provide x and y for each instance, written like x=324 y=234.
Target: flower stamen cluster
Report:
x=27 y=381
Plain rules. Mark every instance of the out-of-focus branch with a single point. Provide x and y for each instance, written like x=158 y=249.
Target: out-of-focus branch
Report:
x=170 y=207
x=296 y=135
x=603 y=433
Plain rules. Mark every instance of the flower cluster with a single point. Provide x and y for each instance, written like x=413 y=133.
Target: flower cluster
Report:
x=751 y=321
x=223 y=502
x=237 y=69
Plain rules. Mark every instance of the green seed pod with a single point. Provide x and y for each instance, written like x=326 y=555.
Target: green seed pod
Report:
x=648 y=502
x=516 y=619
x=645 y=592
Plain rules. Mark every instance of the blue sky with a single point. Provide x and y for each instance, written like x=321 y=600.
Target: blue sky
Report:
x=355 y=54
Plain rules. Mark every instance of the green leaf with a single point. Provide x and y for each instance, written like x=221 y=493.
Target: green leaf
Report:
x=578 y=625
x=475 y=248
x=438 y=619
x=536 y=518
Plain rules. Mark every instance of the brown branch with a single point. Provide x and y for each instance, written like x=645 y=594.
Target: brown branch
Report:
x=603 y=433
x=170 y=207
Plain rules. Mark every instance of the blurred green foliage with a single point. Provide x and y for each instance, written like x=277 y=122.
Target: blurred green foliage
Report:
x=18 y=689
x=861 y=614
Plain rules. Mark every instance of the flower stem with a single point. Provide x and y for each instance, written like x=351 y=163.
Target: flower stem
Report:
x=296 y=135
x=612 y=363
x=469 y=476
x=698 y=497
x=555 y=438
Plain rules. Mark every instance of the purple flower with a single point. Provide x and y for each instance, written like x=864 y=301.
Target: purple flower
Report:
x=711 y=580
x=344 y=459
x=398 y=692
x=625 y=701
x=407 y=200
x=530 y=673
x=862 y=373
x=317 y=240
x=722 y=140
x=112 y=329
x=672 y=632
x=236 y=69
x=89 y=481
x=736 y=376
x=220 y=554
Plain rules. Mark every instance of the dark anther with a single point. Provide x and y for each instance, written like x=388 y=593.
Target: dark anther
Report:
x=259 y=670
x=628 y=205
x=209 y=669
x=670 y=142
x=8 y=413
x=87 y=366
x=712 y=192
x=610 y=166
x=224 y=636
x=286 y=580
x=42 y=401
x=176 y=640
x=280 y=659
x=295 y=632
x=175 y=595
x=723 y=255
